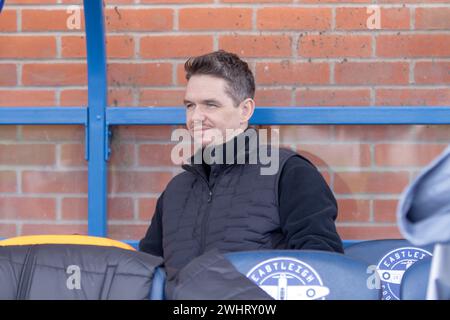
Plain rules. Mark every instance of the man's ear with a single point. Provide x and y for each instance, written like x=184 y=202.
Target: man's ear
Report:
x=247 y=108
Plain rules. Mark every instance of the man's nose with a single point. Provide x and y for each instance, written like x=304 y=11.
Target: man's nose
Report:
x=198 y=115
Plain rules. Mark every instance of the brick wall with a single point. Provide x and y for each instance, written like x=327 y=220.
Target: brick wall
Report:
x=303 y=53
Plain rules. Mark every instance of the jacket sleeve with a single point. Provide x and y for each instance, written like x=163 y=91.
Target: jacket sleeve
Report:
x=307 y=207
x=152 y=242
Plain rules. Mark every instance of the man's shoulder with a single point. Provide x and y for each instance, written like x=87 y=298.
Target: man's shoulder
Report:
x=180 y=180
x=294 y=159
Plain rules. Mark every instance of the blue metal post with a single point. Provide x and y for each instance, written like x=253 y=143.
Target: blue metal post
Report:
x=97 y=102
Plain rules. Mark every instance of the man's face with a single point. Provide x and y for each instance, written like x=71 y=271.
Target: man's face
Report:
x=210 y=110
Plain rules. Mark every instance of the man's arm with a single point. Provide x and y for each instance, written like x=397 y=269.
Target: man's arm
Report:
x=307 y=208
x=152 y=242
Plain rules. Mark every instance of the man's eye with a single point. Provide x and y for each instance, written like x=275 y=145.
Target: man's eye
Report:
x=190 y=105
x=211 y=105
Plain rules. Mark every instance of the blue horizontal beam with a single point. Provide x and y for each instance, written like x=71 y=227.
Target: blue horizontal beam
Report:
x=145 y=115
x=291 y=115
x=263 y=115
x=48 y=115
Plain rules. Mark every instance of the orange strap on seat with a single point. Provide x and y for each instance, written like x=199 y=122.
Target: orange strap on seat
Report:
x=64 y=239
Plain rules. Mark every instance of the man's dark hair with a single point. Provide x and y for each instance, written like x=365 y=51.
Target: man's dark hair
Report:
x=227 y=66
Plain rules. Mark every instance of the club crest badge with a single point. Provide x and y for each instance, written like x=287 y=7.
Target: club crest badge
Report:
x=288 y=279
x=392 y=267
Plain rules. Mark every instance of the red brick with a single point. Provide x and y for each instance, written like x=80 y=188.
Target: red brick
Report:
x=73 y=155
x=413 y=1
x=27 y=98
x=33 y=47
x=110 y=2
x=147 y=207
x=432 y=72
x=120 y=97
x=374 y=133
x=39 y=229
x=155 y=47
x=8 y=22
x=370 y=182
x=215 y=19
x=353 y=210
x=122 y=154
x=433 y=18
x=273 y=97
x=413 y=46
x=333 y=1
x=433 y=133
x=53 y=133
x=256 y=1
x=32 y=1
x=79 y=97
x=120 y=208
x=181 y=75
x=155 y=155
x=369 y=232
x=161 y=98
x=54 y=74
x=27 y=154
x=74 y=208
x=133 y=181
x=8 y=181
x=22 y=208
x=127 y=232
x=138 y=19
x=8 y=132
x=257 y=46
x=142 y=133
x=54 y=182
x=176 y=1
x=133 y=74
x=337 y=154
x=406 y=154
x=287 y=72
x=385 y=210
x=8 y=230
x=317 y=161
x=329 y=46
x=8 y=75
x=412 y=97
x=296 y=134
x=372 y=73
x=48 y=20
x=356 y=18
x=282 y=18
x=116 y=47
x=333 y=97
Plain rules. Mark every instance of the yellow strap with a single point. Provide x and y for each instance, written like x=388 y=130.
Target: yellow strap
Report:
x=64 y=239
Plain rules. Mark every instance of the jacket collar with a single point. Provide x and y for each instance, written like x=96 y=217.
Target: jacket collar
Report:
x=239 y=151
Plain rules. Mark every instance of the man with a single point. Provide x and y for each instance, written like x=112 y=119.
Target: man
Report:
x=233 y=207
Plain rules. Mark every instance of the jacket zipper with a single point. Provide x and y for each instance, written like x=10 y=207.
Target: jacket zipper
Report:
x=206 y=216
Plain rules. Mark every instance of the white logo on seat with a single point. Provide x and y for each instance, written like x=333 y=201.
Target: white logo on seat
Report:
x=288 y=279
x=392 y=267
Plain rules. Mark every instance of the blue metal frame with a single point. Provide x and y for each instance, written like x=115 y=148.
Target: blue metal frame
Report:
x=292 y=115
x=97 y=117
x=97 y=139
x=42 y=116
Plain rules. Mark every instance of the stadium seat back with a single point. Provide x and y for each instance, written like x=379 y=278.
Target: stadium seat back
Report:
x=415 y=281
x=391 y=258
x=306 y=275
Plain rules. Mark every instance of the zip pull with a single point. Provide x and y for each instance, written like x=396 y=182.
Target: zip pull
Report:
x=210 y=196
